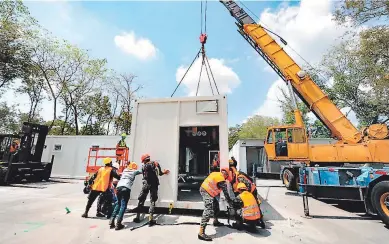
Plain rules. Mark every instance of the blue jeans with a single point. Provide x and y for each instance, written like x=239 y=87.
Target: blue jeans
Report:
x=123 y=195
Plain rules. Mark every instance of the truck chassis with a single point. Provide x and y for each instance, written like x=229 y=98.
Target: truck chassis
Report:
x=363 y=184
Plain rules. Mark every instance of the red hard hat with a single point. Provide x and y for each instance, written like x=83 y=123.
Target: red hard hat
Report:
x=144 y=157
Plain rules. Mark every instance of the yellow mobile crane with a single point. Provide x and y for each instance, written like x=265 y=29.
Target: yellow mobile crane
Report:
x=288 y=145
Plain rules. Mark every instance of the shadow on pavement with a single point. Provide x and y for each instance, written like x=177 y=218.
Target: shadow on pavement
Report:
x=41 y=184
x=292 y=193
x=225 y=230
x=269 y=213
x=361 y=217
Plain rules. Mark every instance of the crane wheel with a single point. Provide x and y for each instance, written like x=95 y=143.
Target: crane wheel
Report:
x=380 y=200
x=289 y=180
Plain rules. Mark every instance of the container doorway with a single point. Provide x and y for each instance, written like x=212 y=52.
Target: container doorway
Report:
x=198 y=156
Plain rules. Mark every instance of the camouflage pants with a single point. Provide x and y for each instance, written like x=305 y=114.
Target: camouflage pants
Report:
x=211 y=207
x=146 y=188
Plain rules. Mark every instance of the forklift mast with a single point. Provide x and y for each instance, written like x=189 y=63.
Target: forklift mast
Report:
x=33 y=137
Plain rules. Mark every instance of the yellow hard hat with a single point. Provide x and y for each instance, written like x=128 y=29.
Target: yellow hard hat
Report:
x=241 y=186
x=107 y=161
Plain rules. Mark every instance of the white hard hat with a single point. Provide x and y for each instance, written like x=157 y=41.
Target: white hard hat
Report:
x=115 y=165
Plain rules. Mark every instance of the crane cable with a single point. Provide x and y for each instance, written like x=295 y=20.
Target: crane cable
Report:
x=204 y=61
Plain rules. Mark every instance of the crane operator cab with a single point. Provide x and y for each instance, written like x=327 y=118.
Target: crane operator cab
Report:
x=286 y=143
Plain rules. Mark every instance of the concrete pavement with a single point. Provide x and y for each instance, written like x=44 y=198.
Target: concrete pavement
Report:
x=35 y=213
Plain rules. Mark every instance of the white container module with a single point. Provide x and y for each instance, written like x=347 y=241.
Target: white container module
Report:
x=185 y=135
x=71 y=153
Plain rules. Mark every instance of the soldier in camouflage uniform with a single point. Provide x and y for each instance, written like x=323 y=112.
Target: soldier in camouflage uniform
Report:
x=151 y=170
x=210 y=190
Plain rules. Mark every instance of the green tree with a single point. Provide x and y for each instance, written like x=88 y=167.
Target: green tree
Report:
x=360 y=80
x=8 y=119
x=256 y=127
x=60 y=127
x=318 y=130
x=16 y=26
x=32 y=85
x=233 y=135
x=287 y=108
x=96 y=111
x=362 y=11
x=126 y=90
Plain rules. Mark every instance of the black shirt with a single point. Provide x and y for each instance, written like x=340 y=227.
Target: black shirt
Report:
x=151 y=171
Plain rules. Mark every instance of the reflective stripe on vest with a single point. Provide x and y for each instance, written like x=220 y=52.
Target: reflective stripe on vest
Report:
x=210 y=183
x=102 y=180
x=250 y=210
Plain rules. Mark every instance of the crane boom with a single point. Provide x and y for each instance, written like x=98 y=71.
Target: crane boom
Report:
x=307 y=90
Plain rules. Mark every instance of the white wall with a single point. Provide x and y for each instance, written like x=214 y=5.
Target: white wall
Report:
x=239 y=153
x=72 y=159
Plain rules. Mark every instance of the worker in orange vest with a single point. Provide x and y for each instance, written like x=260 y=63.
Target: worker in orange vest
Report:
x=14 y=146
x=120 y=148
x=248 y=210
x=210 y=190
x=100 y=183
x=240 y=177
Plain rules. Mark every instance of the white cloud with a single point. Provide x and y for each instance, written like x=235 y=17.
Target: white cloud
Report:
x=271 y=106
x=310 y=30
x=139 y=47
x=226 y=79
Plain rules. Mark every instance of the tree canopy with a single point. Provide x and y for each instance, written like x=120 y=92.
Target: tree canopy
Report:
x=87 y=97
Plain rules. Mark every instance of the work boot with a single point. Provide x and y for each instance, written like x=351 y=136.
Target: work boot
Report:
x=261 y=223
x=137 y=218
x=112 y=223
x=151 y=220
x=100 y=215
x=85 y=214
x=237 y=225
x=119 y=225
x=217 y=223
x=202 y=236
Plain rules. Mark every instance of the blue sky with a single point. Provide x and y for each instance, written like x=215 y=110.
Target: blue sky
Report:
x=169 y=33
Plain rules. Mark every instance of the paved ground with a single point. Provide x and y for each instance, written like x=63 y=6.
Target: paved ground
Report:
x=36 y=214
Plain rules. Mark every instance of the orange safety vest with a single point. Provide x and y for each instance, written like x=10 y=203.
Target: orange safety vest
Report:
x=237 y=175
x=210 y=183
x=120 y=148
x=102 y=181
x=12 y=149
x=250 y=210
